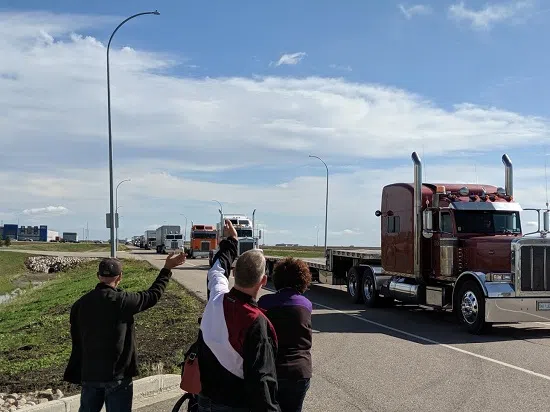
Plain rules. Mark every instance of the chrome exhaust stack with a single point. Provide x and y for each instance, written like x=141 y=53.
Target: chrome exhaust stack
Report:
x=508 y=175
x=417 y=216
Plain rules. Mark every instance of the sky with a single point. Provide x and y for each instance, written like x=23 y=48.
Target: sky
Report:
x=225 y=101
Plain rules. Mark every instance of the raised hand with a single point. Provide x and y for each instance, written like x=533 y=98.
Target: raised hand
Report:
x=229 y=230
x=173 y=260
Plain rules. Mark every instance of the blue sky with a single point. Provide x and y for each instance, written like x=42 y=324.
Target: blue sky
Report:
x=226 y=100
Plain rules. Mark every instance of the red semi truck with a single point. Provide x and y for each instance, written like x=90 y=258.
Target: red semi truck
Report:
x=450 y=247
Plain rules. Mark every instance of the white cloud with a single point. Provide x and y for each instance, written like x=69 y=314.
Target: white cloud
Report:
x=339 y=67
x=416 y=10
x=291 y=59
x=47 y=211
x=491 y=14
x=58 y=102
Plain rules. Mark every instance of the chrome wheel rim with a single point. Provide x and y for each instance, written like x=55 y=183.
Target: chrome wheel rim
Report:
x=352 y=285
x=368 y=288
x=469 y=307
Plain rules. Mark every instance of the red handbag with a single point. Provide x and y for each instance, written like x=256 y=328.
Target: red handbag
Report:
x=190 y=374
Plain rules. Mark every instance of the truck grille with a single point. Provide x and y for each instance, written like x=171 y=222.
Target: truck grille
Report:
x=174 y=245
x=533 y=264
x=243 y=247
x=205 y=246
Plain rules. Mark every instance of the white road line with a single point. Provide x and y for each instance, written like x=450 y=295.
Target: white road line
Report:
x=412 y=335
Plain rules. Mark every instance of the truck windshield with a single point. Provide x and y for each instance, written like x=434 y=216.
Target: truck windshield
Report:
x=484 y=222
x=244 y=232
x=203 y=235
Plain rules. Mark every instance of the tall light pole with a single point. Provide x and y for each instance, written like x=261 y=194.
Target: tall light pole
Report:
x=111 y=184
x=184 y=228
x=116 y=212
x=221 y=207
x=326 y=203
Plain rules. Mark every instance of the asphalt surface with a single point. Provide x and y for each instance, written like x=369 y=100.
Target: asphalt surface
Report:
x=408 y=359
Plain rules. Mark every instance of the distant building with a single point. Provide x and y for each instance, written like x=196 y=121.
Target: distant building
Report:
x=27 y=233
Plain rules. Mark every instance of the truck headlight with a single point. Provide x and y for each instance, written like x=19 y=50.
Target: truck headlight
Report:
x=499 y=277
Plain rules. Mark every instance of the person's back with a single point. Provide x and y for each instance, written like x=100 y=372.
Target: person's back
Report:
x=237 y=343
x=103 y=358
x=290 y=313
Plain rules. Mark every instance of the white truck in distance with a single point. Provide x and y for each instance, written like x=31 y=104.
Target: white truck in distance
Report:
x=149 y=239
x=169 y=237
x=245 y=233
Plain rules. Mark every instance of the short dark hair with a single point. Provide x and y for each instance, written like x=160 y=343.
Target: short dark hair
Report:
x=291 y=273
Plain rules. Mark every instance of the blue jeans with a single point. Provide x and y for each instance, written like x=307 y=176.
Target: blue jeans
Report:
x=291 y=394
x=117 y=396
x=206 y=405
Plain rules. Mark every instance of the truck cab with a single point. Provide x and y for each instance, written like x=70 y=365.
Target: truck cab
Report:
x=203 y=241
x=245 y=233
x=459 y=247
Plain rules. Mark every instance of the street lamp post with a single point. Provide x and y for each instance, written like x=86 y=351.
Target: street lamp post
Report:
x=111 y=184
x=326 y=203
x=116 y=212
x=184 y=229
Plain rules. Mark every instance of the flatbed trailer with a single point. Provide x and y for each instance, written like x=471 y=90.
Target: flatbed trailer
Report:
x=334 y=268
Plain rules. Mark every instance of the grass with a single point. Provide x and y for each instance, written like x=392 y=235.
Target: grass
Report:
x=35 y=340
x=65 y=247
x=12 y=265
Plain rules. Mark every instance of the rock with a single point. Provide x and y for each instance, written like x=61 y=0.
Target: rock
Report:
x=51 y=264
x=42 y=400
x=10 y=401
x=21 y=402
x=12 y=396
x=12 y=408
x=31 y=403
x=48 y=394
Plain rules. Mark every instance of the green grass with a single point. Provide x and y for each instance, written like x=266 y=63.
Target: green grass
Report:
x=12 y=265
x=35 y=341
x=65 y=247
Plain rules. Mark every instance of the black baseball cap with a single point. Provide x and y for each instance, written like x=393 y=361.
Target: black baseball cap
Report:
x=109 y=267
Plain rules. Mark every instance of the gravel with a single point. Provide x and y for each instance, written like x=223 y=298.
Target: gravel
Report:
x=10 y=402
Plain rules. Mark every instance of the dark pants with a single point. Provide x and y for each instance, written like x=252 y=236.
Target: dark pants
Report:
x=206 y=405
x=291 y=394
x=116 y=395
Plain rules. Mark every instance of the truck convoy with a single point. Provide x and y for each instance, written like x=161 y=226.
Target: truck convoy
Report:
x=449 y=247
x=203 y=239
x=168 y=237
x=245 y=235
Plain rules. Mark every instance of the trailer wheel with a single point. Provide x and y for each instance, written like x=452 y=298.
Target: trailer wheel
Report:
x=355 y=275
x=470 y=308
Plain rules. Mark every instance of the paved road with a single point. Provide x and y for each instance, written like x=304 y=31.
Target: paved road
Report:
x=405 y=359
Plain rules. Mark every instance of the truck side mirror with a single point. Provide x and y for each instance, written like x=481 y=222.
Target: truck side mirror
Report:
x=378 y=213
x=546 y=220
x=427 y=220
x=260 y=234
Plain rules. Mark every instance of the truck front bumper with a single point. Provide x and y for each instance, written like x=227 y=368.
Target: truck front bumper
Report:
x=516 y=309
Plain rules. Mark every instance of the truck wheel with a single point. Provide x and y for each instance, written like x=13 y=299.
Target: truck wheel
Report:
x=368 y=290
x=354 y=284
x=470 y=308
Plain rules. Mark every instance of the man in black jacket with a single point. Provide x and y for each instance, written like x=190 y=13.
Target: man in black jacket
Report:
x=103 y=358
x=237 y=343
